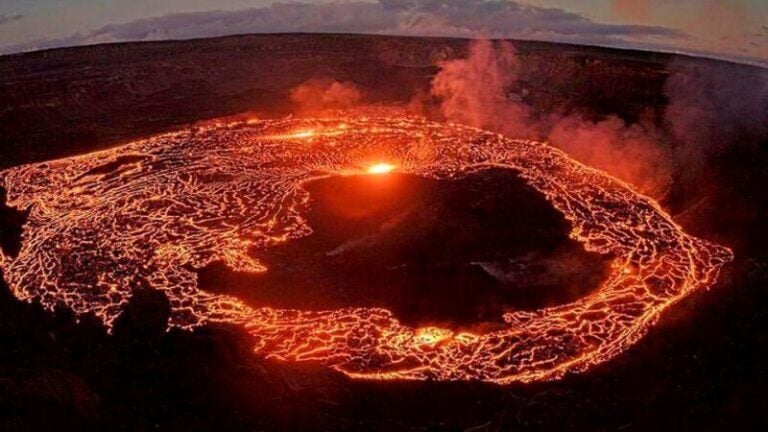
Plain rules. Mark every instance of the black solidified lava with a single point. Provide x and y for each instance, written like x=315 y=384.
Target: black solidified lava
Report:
x=11 y=226
x=449 y=252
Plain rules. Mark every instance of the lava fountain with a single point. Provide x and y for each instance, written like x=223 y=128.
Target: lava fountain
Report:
x=152 y=211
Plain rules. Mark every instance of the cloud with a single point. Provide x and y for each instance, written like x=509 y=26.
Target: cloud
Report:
x=5 y=19
x=458 y=18
x=729 y=29
x=632 y=9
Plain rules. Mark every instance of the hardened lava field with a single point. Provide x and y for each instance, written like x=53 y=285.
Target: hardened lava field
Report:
x=147 y=214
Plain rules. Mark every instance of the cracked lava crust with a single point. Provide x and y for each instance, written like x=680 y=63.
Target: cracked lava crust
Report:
x=151 y=212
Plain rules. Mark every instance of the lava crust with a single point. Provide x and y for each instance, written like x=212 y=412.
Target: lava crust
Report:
x=153 y=211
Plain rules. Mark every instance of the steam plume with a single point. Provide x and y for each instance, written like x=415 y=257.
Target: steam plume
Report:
x=475 y=91
x=322 y=94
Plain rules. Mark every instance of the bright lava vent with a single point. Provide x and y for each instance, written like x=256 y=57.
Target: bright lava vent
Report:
x=381 y=168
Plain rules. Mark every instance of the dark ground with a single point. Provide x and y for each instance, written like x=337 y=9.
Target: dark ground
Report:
x=701 y=368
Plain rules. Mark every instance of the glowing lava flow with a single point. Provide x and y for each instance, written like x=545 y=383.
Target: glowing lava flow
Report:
x=147 y=212
x=380 y=168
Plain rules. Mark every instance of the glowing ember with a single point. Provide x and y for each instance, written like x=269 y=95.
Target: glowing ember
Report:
x=151 y=211
x=381 y=168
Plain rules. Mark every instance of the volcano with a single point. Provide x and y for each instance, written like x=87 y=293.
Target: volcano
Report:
x=194 y=248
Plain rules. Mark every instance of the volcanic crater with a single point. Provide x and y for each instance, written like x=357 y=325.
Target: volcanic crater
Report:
x=456 y=253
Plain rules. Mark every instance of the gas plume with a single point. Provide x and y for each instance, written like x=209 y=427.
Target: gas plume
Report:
x=714 y=108
x=476 y=91
x=318 y=95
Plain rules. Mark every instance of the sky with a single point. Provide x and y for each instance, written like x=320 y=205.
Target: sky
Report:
x=731 y=29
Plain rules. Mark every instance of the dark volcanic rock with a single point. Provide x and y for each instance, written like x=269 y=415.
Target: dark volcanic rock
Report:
x=11 y=226
x=145 y=316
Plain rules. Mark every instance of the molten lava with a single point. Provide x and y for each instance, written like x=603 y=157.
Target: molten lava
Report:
x=381 y=168
x=152 y=211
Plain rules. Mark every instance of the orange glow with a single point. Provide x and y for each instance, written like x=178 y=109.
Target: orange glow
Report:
x=431 y=335
x=381 y=168
x=152 y=211
x=303 y=134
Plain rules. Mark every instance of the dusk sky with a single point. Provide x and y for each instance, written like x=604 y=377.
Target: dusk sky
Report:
x=733 y=29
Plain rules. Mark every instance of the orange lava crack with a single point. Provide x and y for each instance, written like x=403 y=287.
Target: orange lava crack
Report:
x=151 y=210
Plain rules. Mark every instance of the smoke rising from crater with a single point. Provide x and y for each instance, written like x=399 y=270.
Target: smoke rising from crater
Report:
x=713 y=107
x=473 y=91
x=318 y=95
x=476 y=91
